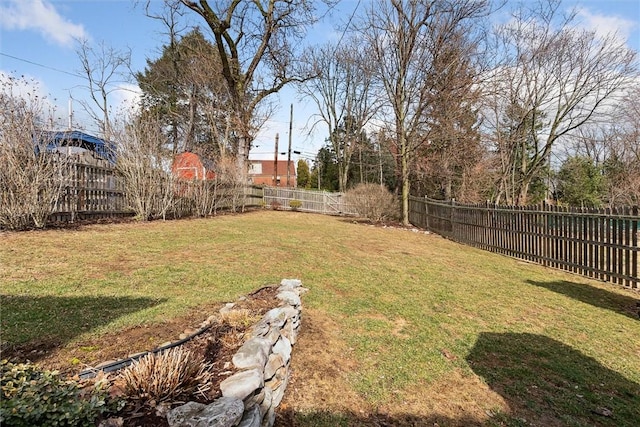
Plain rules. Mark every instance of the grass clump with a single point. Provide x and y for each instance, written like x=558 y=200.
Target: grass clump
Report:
x=31 y=396
x=166 y=377
x=238 y=319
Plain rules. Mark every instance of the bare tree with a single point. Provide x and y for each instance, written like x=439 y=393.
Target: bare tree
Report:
x=343 y=90
x=104 y=67
x=256 y=42
x=31 y=179
x=551 y=78
x=404 y=36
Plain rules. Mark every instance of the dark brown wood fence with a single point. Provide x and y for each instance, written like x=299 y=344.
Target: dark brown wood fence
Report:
x=598 y=243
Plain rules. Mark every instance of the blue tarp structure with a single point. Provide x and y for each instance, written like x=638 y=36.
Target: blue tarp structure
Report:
x=57 y=139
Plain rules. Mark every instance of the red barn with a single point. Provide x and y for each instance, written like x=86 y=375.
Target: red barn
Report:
x=189 y=166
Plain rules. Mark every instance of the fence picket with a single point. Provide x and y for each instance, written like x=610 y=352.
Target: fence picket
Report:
x=598 y=243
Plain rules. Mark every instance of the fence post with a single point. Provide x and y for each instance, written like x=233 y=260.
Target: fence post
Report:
x=452 y=215
x=426 y=209
x=635 y=230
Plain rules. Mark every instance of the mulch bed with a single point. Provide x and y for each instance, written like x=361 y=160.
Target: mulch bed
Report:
x=216 y=346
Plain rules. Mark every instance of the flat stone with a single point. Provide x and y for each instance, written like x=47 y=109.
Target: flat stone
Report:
x=242 y=384
x=294 y=283
x=227 y=308
x=269 y=417
x=273 y=384
x=290 y=298
x=252 y=354
x=274 y=363
x=290 y=333
x=255 y=399
x=252 y=417
x=283 y=348
x=302 y=290
x=278 y=393
x=266 y=402
x=222 y=412
x=291 y=312
x=276 y=317
x=260 y=329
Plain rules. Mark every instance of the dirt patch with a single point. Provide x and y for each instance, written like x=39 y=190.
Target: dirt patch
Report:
x=320 y=368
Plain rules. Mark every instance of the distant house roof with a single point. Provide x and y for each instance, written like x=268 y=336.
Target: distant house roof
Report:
x=261 y=172
x=75 y=138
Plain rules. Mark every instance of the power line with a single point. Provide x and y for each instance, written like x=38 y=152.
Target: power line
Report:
x=115 y=83
x=347 y=26
x=42 y=65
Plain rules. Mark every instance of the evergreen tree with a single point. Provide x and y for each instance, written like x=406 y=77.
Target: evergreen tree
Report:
x=304 y=175
x=325 y=170
x=184 y=88
x=581 y=183
x=451 y=120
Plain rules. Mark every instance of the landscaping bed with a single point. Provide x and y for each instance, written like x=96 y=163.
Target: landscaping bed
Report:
x=215 y=347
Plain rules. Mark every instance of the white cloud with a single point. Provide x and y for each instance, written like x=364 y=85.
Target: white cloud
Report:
x=40 y=15
x=605 y=25
x=127 y=96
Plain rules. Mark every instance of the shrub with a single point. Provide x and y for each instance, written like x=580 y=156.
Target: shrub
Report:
x=170 y=376
x=295 y=204
x=31 y=179
x=275 y=205
x=372 y=201
x=33 y=397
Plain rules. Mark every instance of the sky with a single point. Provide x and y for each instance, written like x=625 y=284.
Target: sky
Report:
x=38 y=40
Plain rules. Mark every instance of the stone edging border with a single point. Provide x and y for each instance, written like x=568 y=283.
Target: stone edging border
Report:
x=251 y=395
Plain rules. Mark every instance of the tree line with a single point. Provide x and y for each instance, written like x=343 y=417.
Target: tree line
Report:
x=472 y=100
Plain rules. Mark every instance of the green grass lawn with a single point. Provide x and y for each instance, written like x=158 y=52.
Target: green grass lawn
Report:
x=413 y=329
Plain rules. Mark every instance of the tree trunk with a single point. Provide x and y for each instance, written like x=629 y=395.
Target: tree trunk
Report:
x=405 y=182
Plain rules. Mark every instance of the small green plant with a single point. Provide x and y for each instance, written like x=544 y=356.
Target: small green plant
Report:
x=31 y=396
x=295 y=204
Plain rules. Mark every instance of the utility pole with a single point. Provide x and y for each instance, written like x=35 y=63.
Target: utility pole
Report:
x=289 y=155
x=275 y=164
x=70 y=113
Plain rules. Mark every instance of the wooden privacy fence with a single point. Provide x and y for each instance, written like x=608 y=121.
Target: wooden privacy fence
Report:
x=90 y=190
x=312 y=201
x=598 y=243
